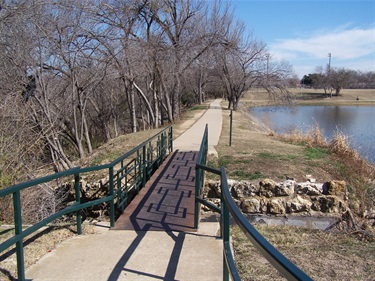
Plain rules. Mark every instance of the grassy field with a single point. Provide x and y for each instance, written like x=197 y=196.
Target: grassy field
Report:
x=258 y=97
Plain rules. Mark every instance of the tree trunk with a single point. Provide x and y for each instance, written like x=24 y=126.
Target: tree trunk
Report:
x=235 y=103
x=156 y=106
x=230 y=101
x=147 y=103
x=76 y=132
x=200 y=91
x=115 y=126
x=176 y=99
x=87 y=134
x=130 y=97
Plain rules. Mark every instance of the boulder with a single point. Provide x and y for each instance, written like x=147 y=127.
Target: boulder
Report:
x=335 y=187
x=285 y=188
x=276 y=206
x=298 y=204
x=214 y=201
x=266 y=188
x=310 y=178
x=104 y=182
x=308 y=188
x=244 y=189
x=263 y=205
x=238 y=203
x=83 y=185
x=328 y=204
x=232 y=182
x=251 y=205
x=213 y=189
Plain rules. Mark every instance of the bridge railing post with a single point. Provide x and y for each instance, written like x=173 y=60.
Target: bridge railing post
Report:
x=111 y=194
x=77 y=190
x=170 y=141
x=18 y=231
x=225 y=230
x=199 y=174
x=144 y=166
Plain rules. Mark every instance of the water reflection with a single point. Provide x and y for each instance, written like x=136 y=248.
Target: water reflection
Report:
x=356 y=122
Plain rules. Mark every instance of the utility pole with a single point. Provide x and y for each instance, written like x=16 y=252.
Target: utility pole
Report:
x=329 y=73
x=268 y=58
x=329 y=63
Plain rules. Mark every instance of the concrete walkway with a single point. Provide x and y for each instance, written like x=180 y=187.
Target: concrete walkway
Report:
x=135 y=255
x=191 y=139
x=143 y=255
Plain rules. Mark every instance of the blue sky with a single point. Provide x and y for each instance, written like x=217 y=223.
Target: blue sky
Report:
x=304 y=32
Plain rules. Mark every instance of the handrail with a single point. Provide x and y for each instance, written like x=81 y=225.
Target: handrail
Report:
x=199 y=174
x=277 y=260
x=228 y=206
x=148 y=156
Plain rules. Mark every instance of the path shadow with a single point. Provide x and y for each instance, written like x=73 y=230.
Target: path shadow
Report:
x=171 y=270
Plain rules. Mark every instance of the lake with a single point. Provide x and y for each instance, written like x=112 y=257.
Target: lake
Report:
x=356 y=122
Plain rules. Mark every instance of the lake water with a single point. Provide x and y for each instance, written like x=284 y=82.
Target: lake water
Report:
x=356 y=122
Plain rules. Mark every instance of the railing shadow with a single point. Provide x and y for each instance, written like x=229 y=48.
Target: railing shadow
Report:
x=170 y=273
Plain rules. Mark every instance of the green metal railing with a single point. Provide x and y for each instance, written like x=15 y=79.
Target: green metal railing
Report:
x=228 y=206
x=126 y=173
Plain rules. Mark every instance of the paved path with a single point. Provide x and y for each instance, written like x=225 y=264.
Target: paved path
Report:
x=191 y=139
x=145 y=255
x=135 y=255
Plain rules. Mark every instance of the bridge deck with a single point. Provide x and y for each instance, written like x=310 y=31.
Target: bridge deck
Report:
x=166 y=203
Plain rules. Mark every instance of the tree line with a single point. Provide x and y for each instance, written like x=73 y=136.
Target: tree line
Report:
x=337 y=79
x=77 y=73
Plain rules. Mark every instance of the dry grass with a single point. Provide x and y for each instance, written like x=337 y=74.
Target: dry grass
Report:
x=340 y=146
x=358 y=172
x=259 y=153
x=312 y=138
x=259 y=97
x=344 y=164
x=322 y=255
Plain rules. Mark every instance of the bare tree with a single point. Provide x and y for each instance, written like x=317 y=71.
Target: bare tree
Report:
x=340 y=78
x=182 y=27
x=87 y=72
x=238 y=58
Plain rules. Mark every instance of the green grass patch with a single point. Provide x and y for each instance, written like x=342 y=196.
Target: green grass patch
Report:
x=104 y=158
x=312 y=153
x=291 y=157
x=242 y=161
x=199 y=107
x=244 y=175
x=274 y=156
x=268 y=155
x=225 y=160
